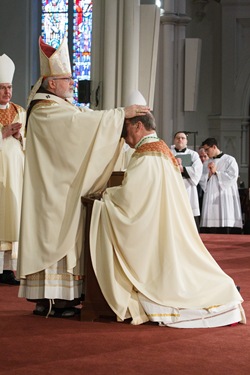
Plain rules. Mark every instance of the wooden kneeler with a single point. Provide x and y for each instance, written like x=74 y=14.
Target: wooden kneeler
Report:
x=95 y=306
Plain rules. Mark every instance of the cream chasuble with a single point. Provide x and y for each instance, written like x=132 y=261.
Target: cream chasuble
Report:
x=69 y=153
x=11 y=181
x=144 y=243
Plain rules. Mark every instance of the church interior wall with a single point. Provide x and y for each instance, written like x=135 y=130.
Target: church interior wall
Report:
x=206 y=27
x=223 y=98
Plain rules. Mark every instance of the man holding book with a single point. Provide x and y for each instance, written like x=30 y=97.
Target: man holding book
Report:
x=191 y=169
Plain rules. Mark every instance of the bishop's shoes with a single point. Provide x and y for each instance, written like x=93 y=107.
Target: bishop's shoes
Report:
x=8 y=277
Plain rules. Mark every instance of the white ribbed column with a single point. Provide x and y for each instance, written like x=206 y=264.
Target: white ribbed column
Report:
x=179 y=61
x=169 y=111
x=164 y=97
x=110 y=54
x=130 y=55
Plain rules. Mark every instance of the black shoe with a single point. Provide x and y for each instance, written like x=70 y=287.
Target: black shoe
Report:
x=42 y=310
x=55 y=312
x=66 y=313
x=8 y=277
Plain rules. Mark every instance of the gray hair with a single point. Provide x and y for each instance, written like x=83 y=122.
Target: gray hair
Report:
x=45 y=82
x=148 y=121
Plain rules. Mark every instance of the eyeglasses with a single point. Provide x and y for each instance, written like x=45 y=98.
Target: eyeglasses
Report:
x=206 y=149
x=63 y=78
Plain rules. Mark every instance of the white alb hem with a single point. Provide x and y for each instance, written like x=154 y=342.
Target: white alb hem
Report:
x=216 y=316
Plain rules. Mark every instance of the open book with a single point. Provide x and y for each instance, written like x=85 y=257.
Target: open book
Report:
x=186 y=159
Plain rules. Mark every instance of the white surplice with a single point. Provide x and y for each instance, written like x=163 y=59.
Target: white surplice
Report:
x=194 y=171
x=11 y=181
x=221 y=203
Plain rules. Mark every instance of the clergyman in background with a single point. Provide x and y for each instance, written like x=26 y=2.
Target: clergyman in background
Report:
x=12 y=125
x=221 y=208
x=203 y=157
x=190 y=168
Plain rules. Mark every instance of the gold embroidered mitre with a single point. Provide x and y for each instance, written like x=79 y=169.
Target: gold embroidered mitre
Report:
x=7 y=69
x=54 y=62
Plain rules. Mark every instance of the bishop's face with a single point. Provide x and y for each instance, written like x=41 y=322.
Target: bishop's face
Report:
x=63 y=87
x=5 y=93
x=131 y=133
x=180 y=141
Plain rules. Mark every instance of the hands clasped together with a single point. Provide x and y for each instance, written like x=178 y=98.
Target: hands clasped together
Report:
x=12 y=130
x=179 y=161
x=212 y=168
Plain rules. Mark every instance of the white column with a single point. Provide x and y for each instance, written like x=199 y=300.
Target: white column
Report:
x=110 y=54
x=130 y=55
x=163 y=107
x=115 y=51
x=180 y=33
x=169 y=110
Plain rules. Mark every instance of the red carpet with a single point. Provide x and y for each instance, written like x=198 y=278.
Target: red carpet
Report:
x=38 y=346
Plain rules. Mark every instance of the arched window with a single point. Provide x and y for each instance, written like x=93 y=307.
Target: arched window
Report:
x=72 y=18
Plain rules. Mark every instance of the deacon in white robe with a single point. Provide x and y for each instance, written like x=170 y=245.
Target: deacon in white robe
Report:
x=12 y=124
x=147 y=255
x=221 y=207
x=191 y=170
x=70 y=153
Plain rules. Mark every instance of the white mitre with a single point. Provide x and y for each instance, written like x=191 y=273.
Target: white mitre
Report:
x=7 y=69
x=135 y=97
x=53 y=63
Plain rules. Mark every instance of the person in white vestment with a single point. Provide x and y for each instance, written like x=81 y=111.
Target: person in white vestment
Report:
x=203 y=157
x=70 y=153
x=202 y=154
x=148 y=257
x=12 y=125
x=191 y=169
x=221 y=209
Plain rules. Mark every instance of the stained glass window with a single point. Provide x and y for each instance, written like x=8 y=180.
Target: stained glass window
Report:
x=57 y=15
x=54 y=21
x=82 y=31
